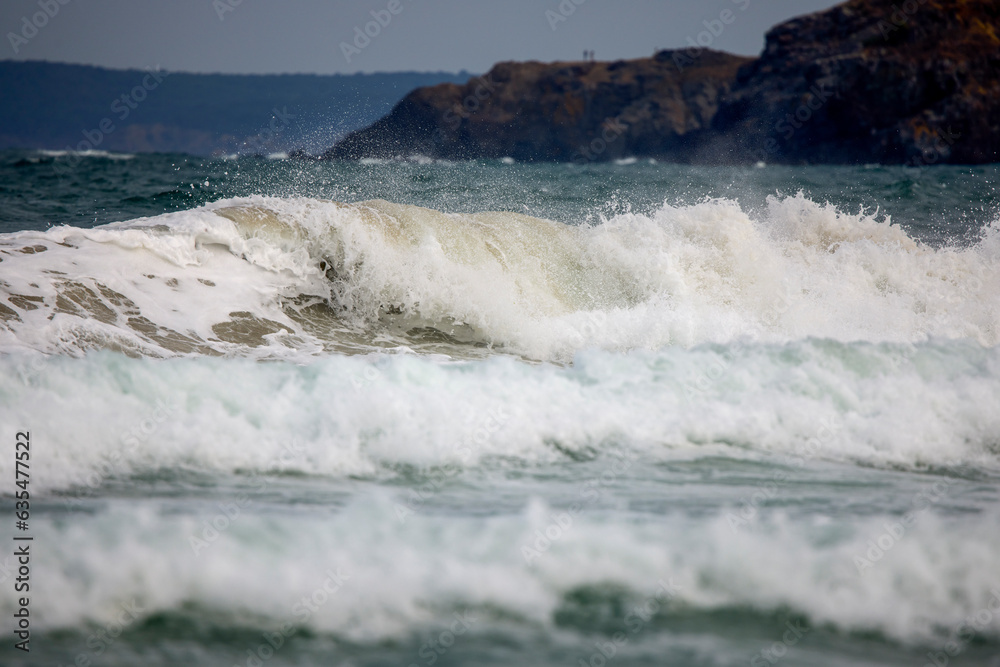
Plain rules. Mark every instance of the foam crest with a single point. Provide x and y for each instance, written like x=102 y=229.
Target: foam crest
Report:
x=271 y=277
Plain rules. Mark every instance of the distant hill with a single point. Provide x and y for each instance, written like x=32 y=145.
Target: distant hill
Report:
x=55 y=106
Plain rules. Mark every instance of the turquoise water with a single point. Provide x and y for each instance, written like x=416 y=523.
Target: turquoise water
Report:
x=299 y=413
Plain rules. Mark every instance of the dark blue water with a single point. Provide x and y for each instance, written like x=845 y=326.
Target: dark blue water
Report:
x=37 y=190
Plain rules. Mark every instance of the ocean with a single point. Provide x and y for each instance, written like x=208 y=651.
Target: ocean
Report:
x=282 y=412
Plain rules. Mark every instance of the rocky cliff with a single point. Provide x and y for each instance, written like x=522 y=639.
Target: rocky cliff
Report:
x=892 y=81
x=557 y=111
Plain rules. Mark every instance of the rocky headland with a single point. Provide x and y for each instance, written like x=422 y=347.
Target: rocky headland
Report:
x=868 y=81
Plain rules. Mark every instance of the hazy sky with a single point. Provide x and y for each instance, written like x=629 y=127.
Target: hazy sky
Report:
x=306 y=36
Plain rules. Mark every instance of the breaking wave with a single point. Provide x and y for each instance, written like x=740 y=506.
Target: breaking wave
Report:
x=279 y=278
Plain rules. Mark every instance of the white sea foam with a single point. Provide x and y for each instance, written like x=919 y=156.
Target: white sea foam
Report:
x=685 y=275
x=934 y=405
x=796 y=336
x=92 y=153
x=939 y=573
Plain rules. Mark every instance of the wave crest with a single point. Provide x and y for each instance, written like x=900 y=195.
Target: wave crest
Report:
x=279 y=277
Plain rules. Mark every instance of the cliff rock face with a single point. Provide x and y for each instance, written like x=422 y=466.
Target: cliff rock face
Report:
x=892 y=81
x=559 y=111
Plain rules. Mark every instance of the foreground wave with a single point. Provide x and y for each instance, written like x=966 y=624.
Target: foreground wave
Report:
x=585 y=580
x=283 y=278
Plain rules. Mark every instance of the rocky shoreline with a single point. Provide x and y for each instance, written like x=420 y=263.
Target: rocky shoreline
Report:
x=913 y=82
